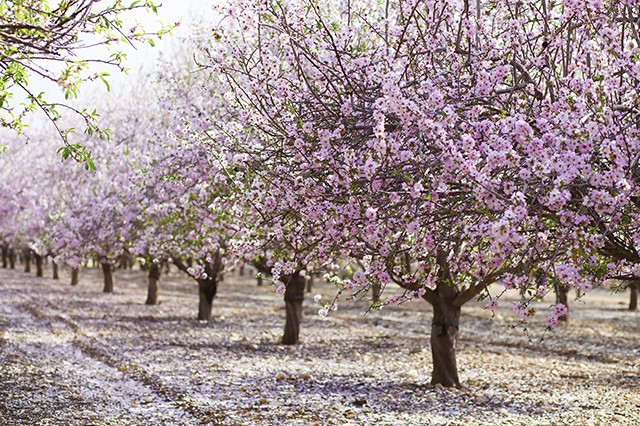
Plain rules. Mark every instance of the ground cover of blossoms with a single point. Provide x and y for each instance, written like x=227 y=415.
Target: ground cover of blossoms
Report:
x=75 y=356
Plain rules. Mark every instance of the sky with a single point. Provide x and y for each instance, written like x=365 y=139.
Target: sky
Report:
x=142 y=60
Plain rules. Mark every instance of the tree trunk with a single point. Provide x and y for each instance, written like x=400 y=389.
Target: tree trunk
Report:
x=633 y=300
x=27 y=260
x=5 y=256
x=375 y=297
x=293 y=298
x=75 y=272
x=444 y=331
x=207 y=288
x=39 y=271
x=241 y=271
x=260 y=281
x=12 y=258
x=54 y=266
x=108 y=277
x=562 y=294
x=152 y=288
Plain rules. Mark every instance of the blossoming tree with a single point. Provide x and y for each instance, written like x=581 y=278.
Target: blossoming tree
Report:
x=446 y=146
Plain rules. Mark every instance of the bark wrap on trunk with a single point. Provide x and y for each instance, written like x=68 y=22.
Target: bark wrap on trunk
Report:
x=444 y=331
x=107 y=271
x=293 y=298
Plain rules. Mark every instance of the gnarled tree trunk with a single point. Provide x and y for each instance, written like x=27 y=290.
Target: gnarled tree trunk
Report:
x=39 y=270
x=107 y=271
x=293 y=298
x=26 y=253
x=444 y=331
x=75 y=273
x=152 y=288
x=633 y=300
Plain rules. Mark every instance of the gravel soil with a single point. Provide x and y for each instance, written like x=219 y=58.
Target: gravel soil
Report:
x=76 y=356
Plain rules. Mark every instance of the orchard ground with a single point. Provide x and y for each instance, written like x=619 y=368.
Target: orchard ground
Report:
x=76 y=356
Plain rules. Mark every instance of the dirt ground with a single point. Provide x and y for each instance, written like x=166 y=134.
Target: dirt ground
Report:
x=76 y=356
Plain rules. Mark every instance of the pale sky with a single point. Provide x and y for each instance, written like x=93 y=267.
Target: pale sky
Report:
x=141 y=61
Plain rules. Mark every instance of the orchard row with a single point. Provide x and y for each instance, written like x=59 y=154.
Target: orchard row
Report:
x=436 y=150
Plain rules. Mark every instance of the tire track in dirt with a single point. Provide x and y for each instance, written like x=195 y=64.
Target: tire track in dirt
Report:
x=92 y=347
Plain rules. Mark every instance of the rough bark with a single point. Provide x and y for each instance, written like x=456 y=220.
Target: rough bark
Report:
x=26 y=253
x=39 y=263
x=75 y=272
x=54 y=266
x=293 y=298
x=152 y=288
x=562 y=296
x=107 y=272
x=633 y=300
x=444 y=331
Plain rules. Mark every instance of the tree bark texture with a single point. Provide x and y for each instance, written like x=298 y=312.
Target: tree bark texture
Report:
x=293 y=298
x=444 y=331
x=152 y=288
x=75 y=273
x=5 y=256
x=27 y=260
x=107 y=271
x=39 y=263
x=54 y=266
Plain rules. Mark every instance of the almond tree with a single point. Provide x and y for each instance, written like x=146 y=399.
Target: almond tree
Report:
x=444 y=145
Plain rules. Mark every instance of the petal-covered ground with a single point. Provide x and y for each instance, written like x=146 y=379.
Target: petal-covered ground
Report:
x=76 y=356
